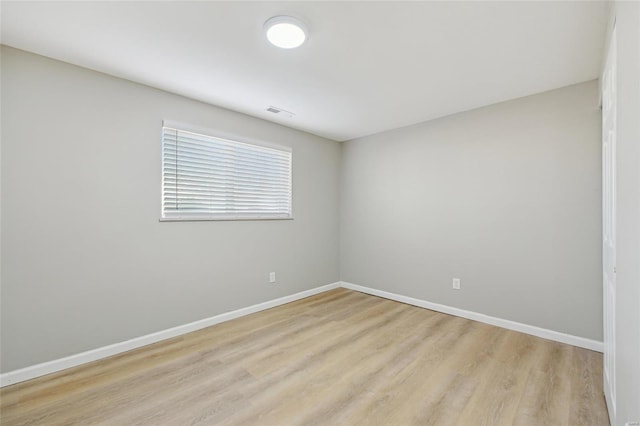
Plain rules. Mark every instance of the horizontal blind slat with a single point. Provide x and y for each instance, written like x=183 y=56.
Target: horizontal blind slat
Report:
x=227 y=172
x=181 y=150
x=218 y=184
x=207 y=141
x=173 y=145
x=205 y=163
x=227 y=199
x=214 y=148
x=226 y=206
x=248 y=209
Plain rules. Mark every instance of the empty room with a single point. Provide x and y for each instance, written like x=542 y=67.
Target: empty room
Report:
x=328 y=213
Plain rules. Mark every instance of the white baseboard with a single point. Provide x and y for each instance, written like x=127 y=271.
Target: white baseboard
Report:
x=581 y=342
x=49 y=367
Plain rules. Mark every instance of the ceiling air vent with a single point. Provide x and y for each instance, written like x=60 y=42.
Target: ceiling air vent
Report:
x=280 y=111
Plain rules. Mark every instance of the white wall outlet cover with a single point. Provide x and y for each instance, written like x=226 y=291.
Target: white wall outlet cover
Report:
x=456 y=283
x=272 y=277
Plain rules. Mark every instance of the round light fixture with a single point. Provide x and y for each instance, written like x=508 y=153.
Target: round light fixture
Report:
x=285 y=32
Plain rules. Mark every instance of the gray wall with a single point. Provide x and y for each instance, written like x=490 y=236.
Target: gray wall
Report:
x=506 y=197
x=627 y=15
x=85 y=261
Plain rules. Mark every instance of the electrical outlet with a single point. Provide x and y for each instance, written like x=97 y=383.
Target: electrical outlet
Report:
x=272 y=277
x=456 y=283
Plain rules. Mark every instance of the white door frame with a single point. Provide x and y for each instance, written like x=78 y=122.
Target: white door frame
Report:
x=609 y=136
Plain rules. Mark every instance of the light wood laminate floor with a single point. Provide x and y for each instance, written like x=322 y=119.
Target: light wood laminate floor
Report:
x=338 y=358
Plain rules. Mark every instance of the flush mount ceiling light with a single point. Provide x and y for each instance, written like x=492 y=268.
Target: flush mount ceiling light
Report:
x=285 y=32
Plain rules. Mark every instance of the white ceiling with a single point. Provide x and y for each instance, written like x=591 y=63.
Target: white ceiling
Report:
x=367 y=66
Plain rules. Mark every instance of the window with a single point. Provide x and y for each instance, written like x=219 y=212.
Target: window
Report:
x=209 y=178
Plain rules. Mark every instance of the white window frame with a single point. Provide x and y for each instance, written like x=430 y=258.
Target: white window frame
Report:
x=228 y=138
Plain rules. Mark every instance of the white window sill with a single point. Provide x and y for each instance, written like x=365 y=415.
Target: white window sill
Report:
x=215 y=219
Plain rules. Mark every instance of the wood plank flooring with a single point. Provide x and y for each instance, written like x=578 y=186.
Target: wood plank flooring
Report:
x=338 y=358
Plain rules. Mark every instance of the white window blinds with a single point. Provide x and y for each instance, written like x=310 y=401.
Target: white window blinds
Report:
x=208 y=178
